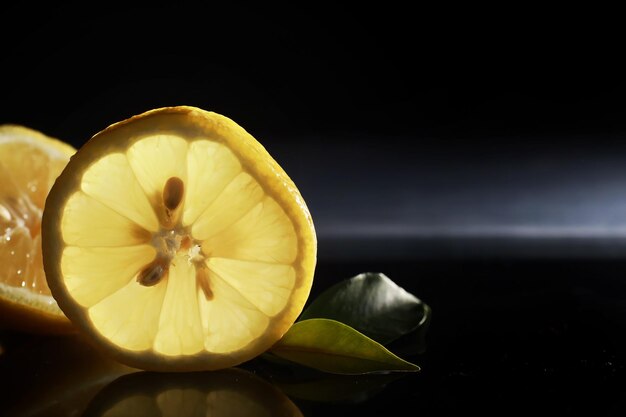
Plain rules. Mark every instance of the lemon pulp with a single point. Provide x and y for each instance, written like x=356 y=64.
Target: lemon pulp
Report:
x=29 y=164
x=181 y=244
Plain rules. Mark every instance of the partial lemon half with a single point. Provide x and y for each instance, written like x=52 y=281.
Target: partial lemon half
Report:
x=178 y=243
x=30 y=161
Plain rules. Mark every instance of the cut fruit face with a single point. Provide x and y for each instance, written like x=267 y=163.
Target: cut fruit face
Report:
x=176 y=241
x=29 y=163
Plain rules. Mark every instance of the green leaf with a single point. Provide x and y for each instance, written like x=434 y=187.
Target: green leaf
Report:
x=331 y=346
x=372 y=304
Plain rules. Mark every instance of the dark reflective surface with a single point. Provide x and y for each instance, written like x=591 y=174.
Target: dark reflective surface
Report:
x=51 y=375
x=513 y=338
x=505 y=337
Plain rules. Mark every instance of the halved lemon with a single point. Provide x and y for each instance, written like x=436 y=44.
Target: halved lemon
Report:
x=29 y=163
x=178 y=243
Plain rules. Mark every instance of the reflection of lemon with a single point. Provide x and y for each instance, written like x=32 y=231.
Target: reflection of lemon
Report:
x=29 y=163
x=229 y=392
x=178 y=243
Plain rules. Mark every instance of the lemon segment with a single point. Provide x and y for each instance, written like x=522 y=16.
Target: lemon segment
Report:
x=265 y=285
x=91 y=274
x=17 y=253
x=210 y=166
x=112 y=230
x=180 y=329
x=230 y=320
x=22 y=149
x=178 y=243
x=234 y=201
x=263 y=234
x=130 y=316
x=121 y=192
x=154 y=160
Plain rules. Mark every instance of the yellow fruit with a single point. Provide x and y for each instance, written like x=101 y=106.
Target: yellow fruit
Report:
x=177 y=242
x=29 y=163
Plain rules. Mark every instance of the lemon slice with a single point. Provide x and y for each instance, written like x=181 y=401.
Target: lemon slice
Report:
x=176 y=241
x=29 y=163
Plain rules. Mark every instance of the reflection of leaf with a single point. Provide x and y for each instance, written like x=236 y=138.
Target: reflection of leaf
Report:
x=229 y=392
x=333 y=388
x=305 y=383
x=331 y=346
x=372 y=304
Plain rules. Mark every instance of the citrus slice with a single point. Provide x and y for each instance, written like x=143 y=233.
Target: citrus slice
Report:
x=29 y=163
x=177 y=242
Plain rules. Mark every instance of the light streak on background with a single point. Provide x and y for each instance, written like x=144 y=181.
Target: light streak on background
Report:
x=393 y=198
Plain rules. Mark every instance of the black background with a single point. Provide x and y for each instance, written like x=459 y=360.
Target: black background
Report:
x=423 y=141
x=395 y=122
x=461 y=74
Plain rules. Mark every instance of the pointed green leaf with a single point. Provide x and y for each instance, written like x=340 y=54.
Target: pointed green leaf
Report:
x=372 y=304
x=331 y=346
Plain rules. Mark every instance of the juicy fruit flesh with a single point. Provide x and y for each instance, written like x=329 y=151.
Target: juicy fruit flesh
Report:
x=27 y=172
x=188 y=250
